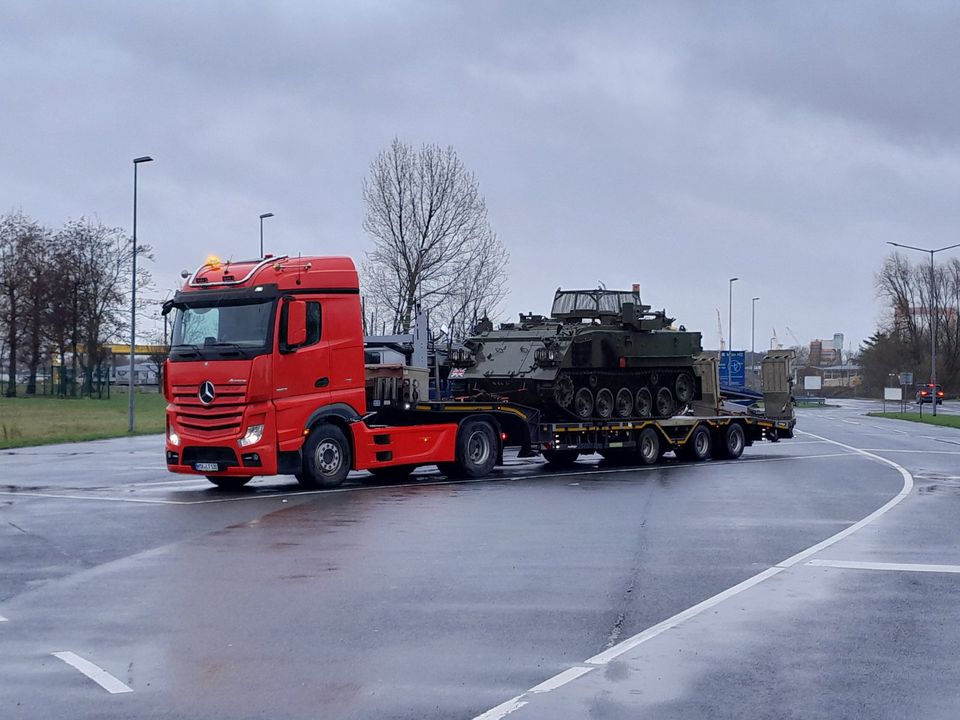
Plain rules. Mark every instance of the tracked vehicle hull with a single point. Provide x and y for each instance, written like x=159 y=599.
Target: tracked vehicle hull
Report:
x=616 y=360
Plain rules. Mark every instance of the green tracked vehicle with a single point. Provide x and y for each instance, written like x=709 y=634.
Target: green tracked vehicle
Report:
x=600 y=355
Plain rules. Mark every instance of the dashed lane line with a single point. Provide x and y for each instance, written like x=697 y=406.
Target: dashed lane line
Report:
x=602 y=659
x=96 y=673
x=894 y=567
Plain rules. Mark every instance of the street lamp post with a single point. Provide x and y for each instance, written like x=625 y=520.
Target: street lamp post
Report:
x=933 y=316
x=730 y=329
x=753 y=331
x=265 y=215
x=133 y=292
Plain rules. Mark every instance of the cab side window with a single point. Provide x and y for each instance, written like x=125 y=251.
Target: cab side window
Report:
x=314 y=326
x=314 y=322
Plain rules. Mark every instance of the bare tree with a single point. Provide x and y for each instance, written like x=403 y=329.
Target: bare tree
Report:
x=432 y=239
x=104 y=262
x=14 y=228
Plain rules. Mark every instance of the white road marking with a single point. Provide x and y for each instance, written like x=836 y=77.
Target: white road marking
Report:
x=96 y=673
x=898 y=567
x=625 y=646
x=503 y=709
x=920 y=452
x=568 y=675
x=850 y=422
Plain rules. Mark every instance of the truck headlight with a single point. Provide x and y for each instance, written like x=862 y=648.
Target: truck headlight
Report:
x=252 y=436
x=172 y=436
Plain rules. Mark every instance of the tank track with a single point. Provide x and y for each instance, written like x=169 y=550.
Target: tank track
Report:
x=654 y=381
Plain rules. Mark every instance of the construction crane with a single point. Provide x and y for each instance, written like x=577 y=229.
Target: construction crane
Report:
x=795 y=338
x=720 y=331
x=774 y=342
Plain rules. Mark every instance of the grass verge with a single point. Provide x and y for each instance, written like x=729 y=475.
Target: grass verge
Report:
x=928 y=418
x=44 y=420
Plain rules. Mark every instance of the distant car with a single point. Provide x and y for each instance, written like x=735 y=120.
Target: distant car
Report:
x=928 y=392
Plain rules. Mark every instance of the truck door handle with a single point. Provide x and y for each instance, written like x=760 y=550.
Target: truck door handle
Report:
x=322 y=382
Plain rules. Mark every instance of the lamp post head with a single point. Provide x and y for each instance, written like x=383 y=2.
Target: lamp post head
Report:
x=266 y=215
x=754 y=299
x=732 y=279
x=145 y=158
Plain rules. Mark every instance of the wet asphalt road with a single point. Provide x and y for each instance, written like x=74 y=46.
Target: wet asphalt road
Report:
x=444 y=600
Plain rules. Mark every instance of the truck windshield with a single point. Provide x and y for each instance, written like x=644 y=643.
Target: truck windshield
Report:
x=241 y=329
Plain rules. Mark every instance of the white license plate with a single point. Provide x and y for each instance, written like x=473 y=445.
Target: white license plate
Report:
x=206 y=467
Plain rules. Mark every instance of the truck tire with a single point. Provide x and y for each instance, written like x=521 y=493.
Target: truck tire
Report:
x=227 y=482
x=560 y=458
x=477 y=450
x=326 y=458
x=697 y=447
x=648 y=446
x=394 y=473
x=731 y=444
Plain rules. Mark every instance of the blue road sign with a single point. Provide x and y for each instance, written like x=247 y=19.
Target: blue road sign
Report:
x=737 y=360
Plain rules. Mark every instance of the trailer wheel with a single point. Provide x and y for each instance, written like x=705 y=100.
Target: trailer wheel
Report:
x=732 y=441
x=604 y=402
x=476 y=450
x=560 y=458
x=644 y=403
x=698 y=446
x=665 y=403
x=648 y=446
x=227 y=482
x=326 y=458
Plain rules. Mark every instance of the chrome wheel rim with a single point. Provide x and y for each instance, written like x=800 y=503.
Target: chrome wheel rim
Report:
x=327 y=457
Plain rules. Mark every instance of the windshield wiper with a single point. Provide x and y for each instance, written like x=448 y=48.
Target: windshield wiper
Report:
x=194 y=348
x=238 y=348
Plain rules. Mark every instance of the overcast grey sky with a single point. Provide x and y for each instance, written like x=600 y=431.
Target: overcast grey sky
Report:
x=674 y=144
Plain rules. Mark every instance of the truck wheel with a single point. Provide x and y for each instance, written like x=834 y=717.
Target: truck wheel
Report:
x=227 y=482
x=732 y=441
x=476 y=450
x=648 y=446
x=644 y=404
x=665 y=403
x=394 y=473
x=326 y=458
x=604 y=402
x=560 y=458
x=583 y=403
x=697 y=447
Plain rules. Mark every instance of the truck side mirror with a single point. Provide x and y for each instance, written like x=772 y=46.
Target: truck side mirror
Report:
x=296 y=323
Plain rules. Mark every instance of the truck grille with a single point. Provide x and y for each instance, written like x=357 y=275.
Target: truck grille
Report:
x=222 y=417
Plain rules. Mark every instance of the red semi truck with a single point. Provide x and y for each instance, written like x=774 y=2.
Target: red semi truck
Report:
x=266 y=376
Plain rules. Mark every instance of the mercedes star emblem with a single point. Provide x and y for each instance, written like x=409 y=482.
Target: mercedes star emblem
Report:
x=207 y=392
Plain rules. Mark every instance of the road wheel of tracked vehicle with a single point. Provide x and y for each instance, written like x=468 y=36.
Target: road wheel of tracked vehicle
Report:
x=583 y=403
x=326 y=458
x=732 y=440
x=644 y=403
x=604 y=403
x=560 y=458
x=563 y=391
x=684 y=387
x=226 y=482
x=697 y=447
x=665 y=403
x=476 y=450
x=623 y=404
x=648 y=446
